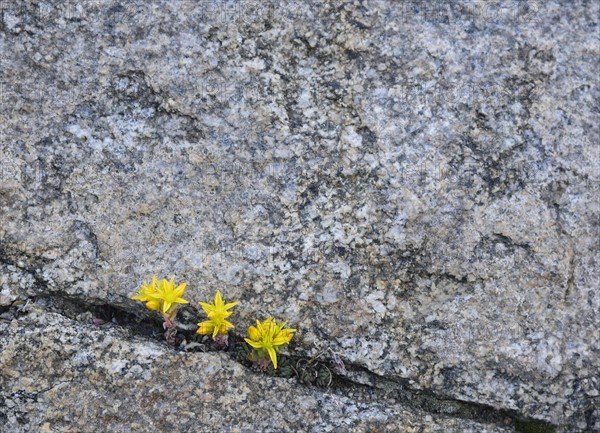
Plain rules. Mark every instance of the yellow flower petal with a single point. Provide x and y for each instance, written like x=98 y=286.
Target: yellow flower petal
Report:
x=205 y=328
x=180 y=290
x=153 y=305
x=255 y=344
x=273 y=356
x=208 y=308
x=253 y=333
x=230 y=305
x=218 y=300
x=281 y=340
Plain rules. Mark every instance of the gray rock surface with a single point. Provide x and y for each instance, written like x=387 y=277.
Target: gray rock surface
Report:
x=412 y=187
x=64 y=375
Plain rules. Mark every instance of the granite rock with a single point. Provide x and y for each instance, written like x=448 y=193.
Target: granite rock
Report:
x=413 y=187
x=60 y=374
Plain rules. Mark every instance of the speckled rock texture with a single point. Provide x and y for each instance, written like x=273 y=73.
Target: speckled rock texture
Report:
x=73 y=377
x=413 y=186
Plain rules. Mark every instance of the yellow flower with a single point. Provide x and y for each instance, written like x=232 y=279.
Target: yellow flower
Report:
x=217 y=314
x=169 y=296
x=146 y=294
x=269 y=337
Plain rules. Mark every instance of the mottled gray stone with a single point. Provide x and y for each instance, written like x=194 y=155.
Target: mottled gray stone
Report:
x=413 y=187
x=63 y=375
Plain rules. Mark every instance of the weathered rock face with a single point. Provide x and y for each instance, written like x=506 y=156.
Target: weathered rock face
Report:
x=413 y=187
x=69 y=376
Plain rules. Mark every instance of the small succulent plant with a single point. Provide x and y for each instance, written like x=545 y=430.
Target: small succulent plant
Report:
x=164 y=297
x=267 y=339
x=217 y=324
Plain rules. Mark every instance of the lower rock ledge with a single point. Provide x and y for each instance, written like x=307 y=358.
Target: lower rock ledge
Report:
x=58 y=374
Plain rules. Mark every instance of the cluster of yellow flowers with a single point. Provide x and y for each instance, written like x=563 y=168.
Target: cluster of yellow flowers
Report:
x=267 y=337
